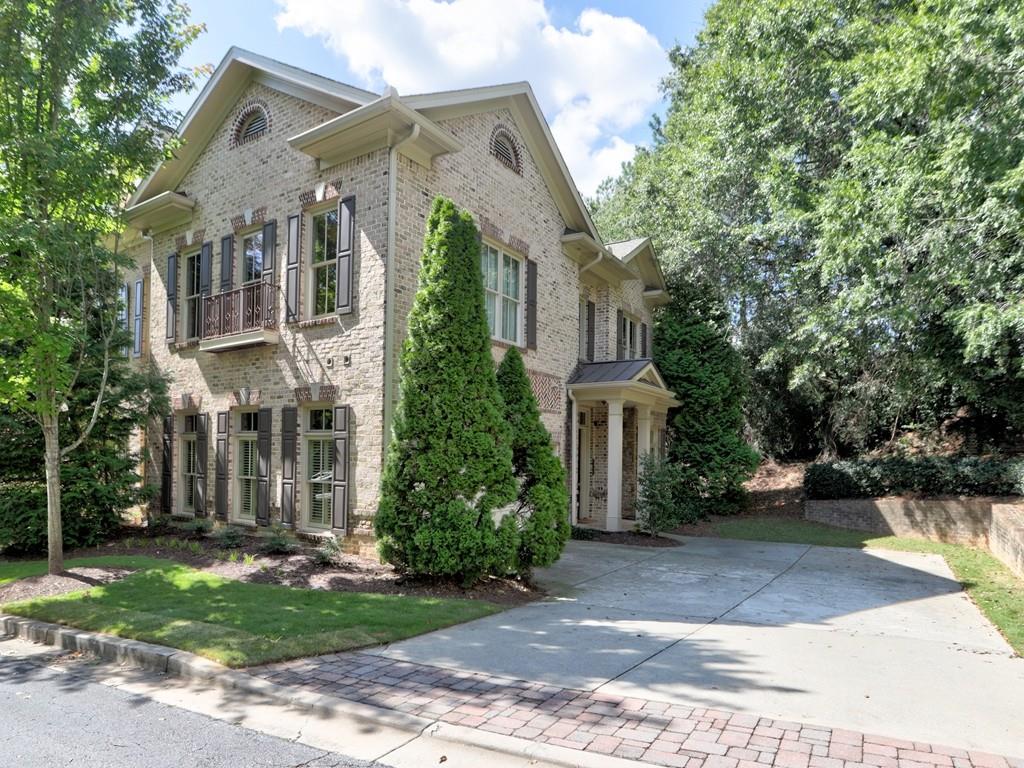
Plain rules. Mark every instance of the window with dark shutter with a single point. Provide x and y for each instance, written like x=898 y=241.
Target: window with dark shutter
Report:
x=620 y=336
x=202 y=442
x=289 y=425
x=291 y=279
x=346 y=254
x=221 y=468
x=531 y=304
x=263 y=466
x=339 y=500
x=172 y=297
x=137 y=321
x=227 y=262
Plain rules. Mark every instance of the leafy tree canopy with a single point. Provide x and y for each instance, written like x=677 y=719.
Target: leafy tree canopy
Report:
x=848 y=175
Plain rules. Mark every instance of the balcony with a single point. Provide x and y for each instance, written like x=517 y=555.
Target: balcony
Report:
x=242 y=317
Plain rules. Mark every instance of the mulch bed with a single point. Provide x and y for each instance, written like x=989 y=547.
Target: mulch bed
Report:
x=629 y=538
x=72 y=580
x=349 y=573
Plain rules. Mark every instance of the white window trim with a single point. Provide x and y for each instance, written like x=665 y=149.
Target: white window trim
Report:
x=198 y=296
x=520 y=302
x=236 y=466
x=631 y=350
x=309 y=276
x=308 y=436
x=240 y=238
x=186 y=437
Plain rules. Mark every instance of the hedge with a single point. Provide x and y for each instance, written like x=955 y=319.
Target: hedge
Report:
x=88 y=516
x=925 y=476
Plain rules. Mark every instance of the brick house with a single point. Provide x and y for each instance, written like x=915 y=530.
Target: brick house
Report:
x=277 y=258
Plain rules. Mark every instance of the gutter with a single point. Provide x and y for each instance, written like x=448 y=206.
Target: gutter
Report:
x=389 y=289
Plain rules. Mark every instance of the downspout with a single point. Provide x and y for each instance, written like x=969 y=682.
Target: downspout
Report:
x=389 y=289
x=574 y=461
x=588 y=265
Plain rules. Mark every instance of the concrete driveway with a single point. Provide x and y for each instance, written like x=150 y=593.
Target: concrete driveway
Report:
x=874 y=641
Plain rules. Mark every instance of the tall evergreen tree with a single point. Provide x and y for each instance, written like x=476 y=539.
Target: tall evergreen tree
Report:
x=542 y=508
x=449 y=464
x=694 y=354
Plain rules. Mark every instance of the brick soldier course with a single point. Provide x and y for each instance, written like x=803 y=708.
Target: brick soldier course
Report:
x=653 y=732
x=266 y=148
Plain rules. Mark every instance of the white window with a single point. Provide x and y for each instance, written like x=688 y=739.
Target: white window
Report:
x=324 y=263
x=319 y=467
x=245 y=470
x=584 y=328
x=189 y=464
x=252 y=258
x=630 y=335
x=503 y=281
x=193 y=300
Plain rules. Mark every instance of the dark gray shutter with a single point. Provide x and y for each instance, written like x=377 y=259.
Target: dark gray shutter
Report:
x=221 y=476
x=205 y=282
x=346 y=246
x=270 y=252
x=137 y=321
x=263 y=466
x=291 y=278
x=620 y=337
x=172 y=297
x=202 y=454
x=591 y=320
x=531 y=304
x=227 y=262
x=167 y=470
x=339 y=499
x=650 y=340
x=289 y=425
x=643 y=339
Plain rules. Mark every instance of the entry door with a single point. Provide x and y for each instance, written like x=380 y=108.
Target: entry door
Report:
x=583 y=467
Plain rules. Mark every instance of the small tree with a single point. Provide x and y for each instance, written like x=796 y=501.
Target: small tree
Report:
x=694 y=354
x=449 y=463
x=85 y=87
x=542 y=508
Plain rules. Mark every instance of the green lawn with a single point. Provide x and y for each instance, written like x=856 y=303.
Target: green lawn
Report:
x=21 y=569
x=241 y=624
x=993 y=587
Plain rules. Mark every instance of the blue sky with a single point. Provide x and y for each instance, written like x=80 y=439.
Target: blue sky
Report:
x=594 y=65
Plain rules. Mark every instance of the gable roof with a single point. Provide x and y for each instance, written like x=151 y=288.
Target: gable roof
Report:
x=519 y=99
x=239 y=67
x=217 y=98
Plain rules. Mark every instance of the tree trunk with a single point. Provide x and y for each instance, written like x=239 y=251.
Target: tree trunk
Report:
x=54 y=533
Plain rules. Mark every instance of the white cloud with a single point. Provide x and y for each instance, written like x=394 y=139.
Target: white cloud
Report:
x=595 y=82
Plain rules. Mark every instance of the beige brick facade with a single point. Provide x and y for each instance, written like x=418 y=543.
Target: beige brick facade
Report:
x=237 y=185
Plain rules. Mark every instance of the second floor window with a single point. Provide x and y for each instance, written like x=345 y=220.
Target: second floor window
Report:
x=252 y=257
x=324 y=262
x=630 y=335
x=193 y=301
x=502 y=293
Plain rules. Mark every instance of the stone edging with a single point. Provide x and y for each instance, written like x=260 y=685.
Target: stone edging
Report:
x=189 y=666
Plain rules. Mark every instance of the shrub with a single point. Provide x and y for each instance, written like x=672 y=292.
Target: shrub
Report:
x=449 y=464
x=229 y=537
x=928 y=476
x=200 y=527
x=580 y=533
x=90 y=514
x=328 y=552
x=542 y=507
x=278 y=542
x=662 y=501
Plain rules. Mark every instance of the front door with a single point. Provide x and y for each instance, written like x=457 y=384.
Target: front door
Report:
x=583 y=465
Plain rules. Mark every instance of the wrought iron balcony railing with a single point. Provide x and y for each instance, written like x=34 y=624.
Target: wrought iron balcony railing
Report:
x=251 y=307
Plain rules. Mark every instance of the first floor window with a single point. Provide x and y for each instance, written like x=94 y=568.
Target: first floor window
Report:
x=189 y=464
x=502 y=273
x=252 y=257
x=193 y=300
x=324 y=262
x=320 y=466
x=247 y=459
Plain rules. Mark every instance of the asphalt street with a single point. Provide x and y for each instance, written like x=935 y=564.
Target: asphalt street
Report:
x=57 y=718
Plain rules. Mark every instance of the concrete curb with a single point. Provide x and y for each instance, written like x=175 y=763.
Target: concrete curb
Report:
x=189 y=666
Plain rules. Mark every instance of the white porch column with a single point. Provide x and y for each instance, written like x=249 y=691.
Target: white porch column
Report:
x=643 y=434
x=613 y=520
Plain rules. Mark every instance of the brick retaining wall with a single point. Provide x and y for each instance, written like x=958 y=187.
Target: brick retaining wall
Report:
x=994 y=523
x=1006 y=539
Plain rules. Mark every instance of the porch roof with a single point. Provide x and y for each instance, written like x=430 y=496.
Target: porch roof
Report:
x=637 y=381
